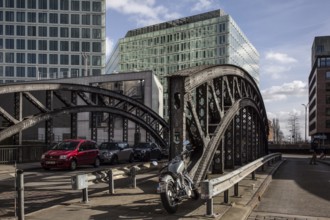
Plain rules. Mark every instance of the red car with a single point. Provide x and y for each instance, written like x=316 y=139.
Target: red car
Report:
x=69 y=154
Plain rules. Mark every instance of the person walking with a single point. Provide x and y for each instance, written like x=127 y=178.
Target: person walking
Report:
x=314 y=146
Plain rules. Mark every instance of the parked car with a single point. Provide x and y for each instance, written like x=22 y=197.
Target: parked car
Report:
x=147 y=151
x=115 y=152
x=69 y=154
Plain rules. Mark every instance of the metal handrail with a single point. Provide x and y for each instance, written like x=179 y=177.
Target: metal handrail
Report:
x=213 y=187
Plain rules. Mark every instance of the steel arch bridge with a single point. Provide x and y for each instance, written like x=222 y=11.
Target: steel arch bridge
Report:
x=75 y=99
x=221 y=111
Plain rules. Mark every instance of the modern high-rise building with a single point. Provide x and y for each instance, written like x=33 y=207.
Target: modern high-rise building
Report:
x=44 y=39
x=319 y=89
x=165 y=48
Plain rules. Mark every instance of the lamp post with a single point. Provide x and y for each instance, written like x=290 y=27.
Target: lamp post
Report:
x=305 y=105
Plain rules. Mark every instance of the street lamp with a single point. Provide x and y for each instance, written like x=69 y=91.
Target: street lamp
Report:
x=306 y=106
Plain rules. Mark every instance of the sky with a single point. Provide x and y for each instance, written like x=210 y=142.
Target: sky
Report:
x=282 y=31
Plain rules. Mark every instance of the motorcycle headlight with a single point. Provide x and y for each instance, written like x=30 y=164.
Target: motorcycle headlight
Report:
x=63 y=157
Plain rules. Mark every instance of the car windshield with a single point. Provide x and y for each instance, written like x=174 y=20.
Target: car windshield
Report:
x=142 y=145
x=66 y=145
x=108 y=146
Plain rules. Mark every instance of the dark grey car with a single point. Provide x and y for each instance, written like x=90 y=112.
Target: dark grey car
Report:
x=147 y=151
x=115 y=152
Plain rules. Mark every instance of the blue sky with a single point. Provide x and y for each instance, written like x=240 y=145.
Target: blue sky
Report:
x=281 y=30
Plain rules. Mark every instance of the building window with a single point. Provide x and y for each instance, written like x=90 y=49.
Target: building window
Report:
x=74 y=73
x=20 y=44
x=53 y=73
x=327 y=111
x=74 y=46
x=9 y=58
x=20 y=3
x=20 y=16
x=64 y=32
x=20 y=57
x=9 y=71
x=32 y=45
x=31 y=58
x=31 y=72
x=42 y=45
x=75 y=19
x=85 y=46
x=42 y=71
x=96 y=19
x=53 y=59
x=64 y=72
x=327 y=99
x=32 y=17
x=75 y=5
x=1 y=43
x=43 y=4
x=324 y=62
x=42 y=31
x=9 y=29
x=96 y=72
x=75 y=59
x=75 y=32
x=96 y=33
x=1 y=15
x=327 y=123
x=64 y=4
x=42 y=17
x=42 y=58
x=96 y=61
x=20 y=30
x=10 y=44
x=64 y=46
x=10 y=16
x=64 y=19
x=53 y=45
x=32 y=4
x=1 y=57
x=96 y=47
x=32 y=31
x=53 y=4
x=86 y=19
x=53 y=32
x=20 y=71
x=53 y=18
x=85 y=6
x=1 y=29
x=10 y=3
x=85 y=33
x=64 y=59
x=97 y=6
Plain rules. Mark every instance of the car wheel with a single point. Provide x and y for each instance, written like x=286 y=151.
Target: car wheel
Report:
x=131 y=158
x=97 y=162
x=114 y=160
x=73 y=165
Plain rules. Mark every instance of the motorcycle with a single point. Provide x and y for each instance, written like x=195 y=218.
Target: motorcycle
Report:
x=175 y=184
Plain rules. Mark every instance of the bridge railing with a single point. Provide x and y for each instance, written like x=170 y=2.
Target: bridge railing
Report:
x=213 y=187
x=21 y=153
x=83 y=181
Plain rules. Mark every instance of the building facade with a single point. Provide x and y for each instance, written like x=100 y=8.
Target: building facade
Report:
x=45 y=39
x=209 y=38
x=319 y=89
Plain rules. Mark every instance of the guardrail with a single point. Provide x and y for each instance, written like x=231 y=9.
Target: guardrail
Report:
x=21 y=153
x=213 y=187
x=83 y=181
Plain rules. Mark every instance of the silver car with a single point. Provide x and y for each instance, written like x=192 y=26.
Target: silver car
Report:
x=115 y=152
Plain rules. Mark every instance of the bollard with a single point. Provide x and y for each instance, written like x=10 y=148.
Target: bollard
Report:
x=111 y=182
x=133 y=177
x=236 y=189
x=20 y=194
x=85 y=195
x=209 y=207
x=226 y=196
x=263 y=167
x=254 y=175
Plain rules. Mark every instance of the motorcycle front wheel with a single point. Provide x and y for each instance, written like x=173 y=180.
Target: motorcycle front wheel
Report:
x=169 y=197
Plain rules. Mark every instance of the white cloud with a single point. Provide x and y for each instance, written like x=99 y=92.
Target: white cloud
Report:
x=108 y=47
x=143 y=12
x=277 y=93
x=202 y=5
x=280 y=58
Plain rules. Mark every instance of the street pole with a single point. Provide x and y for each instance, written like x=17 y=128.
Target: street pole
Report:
x=305 y=121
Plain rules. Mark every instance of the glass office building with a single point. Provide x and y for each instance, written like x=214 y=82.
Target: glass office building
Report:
x=44 y=39
x=165 y=48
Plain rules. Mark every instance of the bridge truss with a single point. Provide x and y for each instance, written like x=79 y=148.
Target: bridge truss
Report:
x=221 y=111
x=54 y=99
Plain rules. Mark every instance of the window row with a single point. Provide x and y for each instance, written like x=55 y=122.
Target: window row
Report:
x=51 y=45
x=43 y=72
x=41 y=31
x=53 y=18
x=73 y=5
x=64 y=59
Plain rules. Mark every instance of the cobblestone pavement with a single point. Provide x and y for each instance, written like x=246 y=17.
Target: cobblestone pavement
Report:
x=277 y=216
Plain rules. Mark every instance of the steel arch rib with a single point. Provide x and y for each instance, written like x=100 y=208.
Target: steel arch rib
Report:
x=77 y=109
x=198 y=170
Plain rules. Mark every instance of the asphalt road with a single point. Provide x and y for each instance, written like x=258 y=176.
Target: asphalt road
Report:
x=298 y=189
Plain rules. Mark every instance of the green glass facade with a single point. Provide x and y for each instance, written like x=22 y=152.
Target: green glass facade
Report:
x=209 y=38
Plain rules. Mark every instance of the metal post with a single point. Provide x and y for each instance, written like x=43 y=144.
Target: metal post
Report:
x=226 y=196
x=263 y=167
x=209 y=207
x=236 y=189
x=85 y=195
x=111 y=182
x=20 y=194
x=254 y=175
x=133 y=177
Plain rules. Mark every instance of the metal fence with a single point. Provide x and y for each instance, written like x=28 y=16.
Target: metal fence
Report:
x=21 y=153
